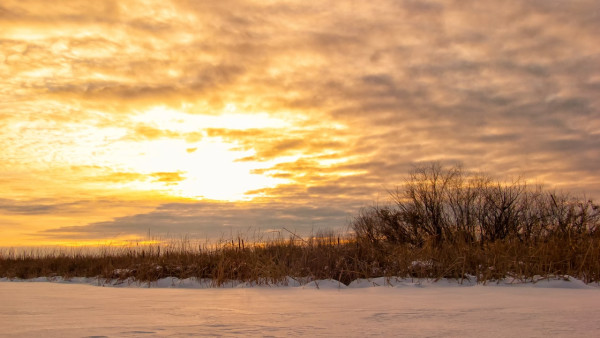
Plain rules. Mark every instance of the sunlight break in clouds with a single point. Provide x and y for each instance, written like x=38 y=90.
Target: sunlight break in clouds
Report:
x=161 y=146
x=111 y=111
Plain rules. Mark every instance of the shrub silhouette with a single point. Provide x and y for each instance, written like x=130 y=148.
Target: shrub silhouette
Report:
x=440 y=204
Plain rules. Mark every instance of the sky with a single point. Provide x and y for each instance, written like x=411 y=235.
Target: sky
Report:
x=210 y=118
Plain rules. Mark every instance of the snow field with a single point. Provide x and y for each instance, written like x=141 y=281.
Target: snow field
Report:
x=410 y=308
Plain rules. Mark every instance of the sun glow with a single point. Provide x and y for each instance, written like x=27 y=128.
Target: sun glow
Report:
x=210 y=171
x=205 y=169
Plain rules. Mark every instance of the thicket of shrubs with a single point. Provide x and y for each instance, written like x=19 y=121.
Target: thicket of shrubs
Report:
x=455 y=224
x=446 y=204
x=443 y=223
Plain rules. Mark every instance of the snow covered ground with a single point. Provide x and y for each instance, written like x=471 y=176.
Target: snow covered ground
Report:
x=401 y=308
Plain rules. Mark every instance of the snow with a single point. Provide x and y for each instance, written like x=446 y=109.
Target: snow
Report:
x=559 y=307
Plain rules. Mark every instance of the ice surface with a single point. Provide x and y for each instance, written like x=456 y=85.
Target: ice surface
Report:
x=398 y=307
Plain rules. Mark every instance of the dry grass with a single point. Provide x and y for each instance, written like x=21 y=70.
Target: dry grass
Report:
x=343 y=258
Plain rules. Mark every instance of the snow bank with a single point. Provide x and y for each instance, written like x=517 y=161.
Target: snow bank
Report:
x=565 y=282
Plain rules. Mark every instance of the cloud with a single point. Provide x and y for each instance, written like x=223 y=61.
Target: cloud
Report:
x=61 y=207
x=209 y=220
x=168 y=178
x=363 y=90
x=16 y=207
x=146 y=132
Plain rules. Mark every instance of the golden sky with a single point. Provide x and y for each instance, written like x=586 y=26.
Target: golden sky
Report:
x=120 y=118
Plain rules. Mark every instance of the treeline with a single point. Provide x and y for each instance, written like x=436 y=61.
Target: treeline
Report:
x=439 y=204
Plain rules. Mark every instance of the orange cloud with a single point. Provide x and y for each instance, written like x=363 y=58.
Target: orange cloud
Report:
x=167 y=177
x=152 y=133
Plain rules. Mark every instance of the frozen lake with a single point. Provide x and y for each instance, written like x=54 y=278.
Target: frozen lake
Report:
x=79 y=310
